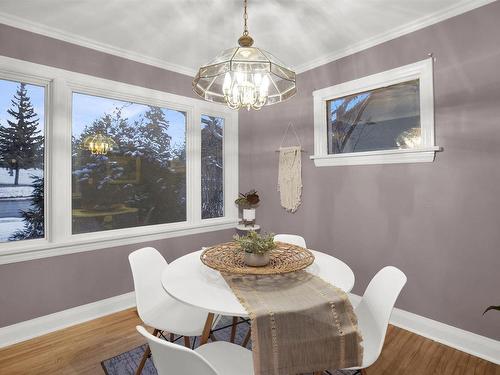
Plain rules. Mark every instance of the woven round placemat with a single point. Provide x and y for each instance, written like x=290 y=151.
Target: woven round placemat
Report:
x=228 y=257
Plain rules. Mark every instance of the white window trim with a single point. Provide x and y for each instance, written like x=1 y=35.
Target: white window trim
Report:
x=59 y=86
x=422 y=71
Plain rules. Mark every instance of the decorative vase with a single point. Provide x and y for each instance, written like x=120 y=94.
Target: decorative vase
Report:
x=256 y=260
x=249 y=216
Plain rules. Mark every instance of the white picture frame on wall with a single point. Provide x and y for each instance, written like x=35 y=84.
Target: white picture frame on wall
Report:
x=424 y=152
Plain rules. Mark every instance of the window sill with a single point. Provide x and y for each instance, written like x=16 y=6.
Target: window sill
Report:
x=12 y=252
x=416 y=155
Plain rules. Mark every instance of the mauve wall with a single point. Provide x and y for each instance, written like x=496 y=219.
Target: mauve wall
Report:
x=23 y=45
x=43 y=286
x=439 y=222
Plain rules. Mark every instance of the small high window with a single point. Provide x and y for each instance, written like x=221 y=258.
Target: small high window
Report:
x=383 y=118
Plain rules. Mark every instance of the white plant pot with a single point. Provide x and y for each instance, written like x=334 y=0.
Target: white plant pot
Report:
x=249 y=214
x=256 y=260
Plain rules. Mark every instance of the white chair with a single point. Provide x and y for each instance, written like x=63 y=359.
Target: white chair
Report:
x=154 y=306
x=291 y=239
x=374 y=311
x=217 y=358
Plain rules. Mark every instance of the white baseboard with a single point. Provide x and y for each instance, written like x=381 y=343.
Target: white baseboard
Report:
x=465 y=341
x=457 y=338
x=49 y=323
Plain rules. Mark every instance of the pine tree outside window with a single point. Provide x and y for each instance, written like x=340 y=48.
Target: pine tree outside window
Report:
x=21 y=161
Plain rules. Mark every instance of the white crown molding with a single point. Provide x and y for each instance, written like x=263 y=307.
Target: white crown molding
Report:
x=35 y=27
x=452 y=11
x=465 y=341
x=51 y=32
x=49 y=323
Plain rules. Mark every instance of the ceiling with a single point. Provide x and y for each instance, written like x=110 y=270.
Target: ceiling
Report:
x=182 y=34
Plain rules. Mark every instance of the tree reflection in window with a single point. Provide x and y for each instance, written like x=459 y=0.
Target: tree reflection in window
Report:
x=212 y=168
x=142 y=181
x=381 y=119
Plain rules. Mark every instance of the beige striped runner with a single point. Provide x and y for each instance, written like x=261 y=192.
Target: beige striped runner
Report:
x=300 y=323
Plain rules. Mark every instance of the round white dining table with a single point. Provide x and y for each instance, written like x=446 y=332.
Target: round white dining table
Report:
x=191 y=282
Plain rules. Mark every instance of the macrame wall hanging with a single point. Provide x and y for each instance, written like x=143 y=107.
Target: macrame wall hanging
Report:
x=290 y=173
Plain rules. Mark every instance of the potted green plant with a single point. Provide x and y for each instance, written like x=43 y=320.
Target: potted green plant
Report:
x=256 y=247
x=247 y=202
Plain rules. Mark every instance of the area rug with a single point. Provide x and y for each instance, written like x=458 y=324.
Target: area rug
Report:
x=126 y=363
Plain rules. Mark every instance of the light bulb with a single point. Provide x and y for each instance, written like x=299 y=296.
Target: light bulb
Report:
x=226 y=87
x=240 y=77
x=248 y=95
x=235 y=95
x=257 y=79
x=264 y=87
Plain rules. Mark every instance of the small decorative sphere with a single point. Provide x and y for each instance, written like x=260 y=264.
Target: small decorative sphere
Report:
x=245 y=41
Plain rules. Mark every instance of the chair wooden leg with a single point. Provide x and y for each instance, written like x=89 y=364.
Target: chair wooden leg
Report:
x=187 y=342
x=233 y=328
x=247 y=338
x=207 y=329
x=147 y=353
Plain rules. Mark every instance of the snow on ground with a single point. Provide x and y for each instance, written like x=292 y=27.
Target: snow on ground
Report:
x=24 y=176
x=8 y=226
x=15 y=191
x=12 y=207
x=24 y=189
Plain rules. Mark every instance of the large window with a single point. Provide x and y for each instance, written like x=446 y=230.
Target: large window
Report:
x=141 y=180
x=87 y=163
x=21 y=161
x=387 y=117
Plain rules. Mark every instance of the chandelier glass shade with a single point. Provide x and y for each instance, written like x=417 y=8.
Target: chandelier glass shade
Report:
x=245 y=77
x=410 y=138
x=99 y=144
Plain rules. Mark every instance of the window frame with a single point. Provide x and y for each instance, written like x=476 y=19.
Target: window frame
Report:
x=423 y=71
x=60 y=85
x=46 y=84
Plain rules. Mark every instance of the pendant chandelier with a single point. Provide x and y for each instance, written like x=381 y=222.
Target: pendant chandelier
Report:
x=245 y=76
x=99 y=144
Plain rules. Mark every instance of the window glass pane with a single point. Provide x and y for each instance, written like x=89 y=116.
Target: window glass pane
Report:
x=21 y=161
x=212 y=167
x=381 y=119
x=129 y=164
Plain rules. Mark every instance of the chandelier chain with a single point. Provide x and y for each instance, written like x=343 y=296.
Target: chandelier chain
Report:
x=245 y=18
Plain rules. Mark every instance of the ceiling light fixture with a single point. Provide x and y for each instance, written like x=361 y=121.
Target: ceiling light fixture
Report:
x=245 y=76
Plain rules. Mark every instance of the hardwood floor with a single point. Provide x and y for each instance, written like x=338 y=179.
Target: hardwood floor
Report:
x=80 y=350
